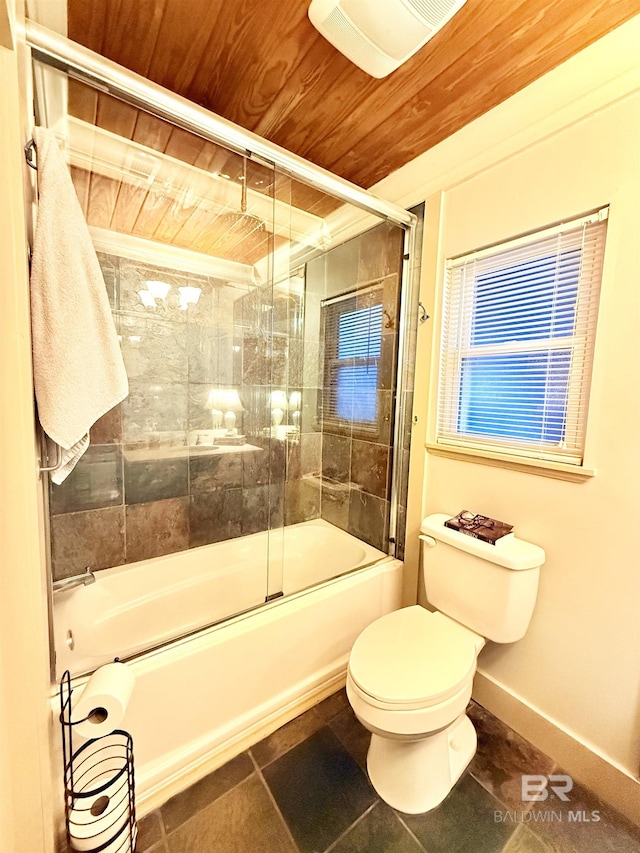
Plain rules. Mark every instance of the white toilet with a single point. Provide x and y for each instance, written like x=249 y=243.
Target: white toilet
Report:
x=411 y=672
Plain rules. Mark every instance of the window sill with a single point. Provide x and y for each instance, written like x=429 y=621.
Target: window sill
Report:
x=556 y=470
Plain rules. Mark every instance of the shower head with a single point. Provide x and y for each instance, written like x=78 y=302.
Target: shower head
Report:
x=242 y=224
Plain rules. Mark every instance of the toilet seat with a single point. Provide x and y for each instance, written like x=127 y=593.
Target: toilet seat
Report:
x=412 y=659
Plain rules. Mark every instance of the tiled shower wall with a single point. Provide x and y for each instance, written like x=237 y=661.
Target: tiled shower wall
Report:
x=356 y=465
x=273 y=349
x=143 y=489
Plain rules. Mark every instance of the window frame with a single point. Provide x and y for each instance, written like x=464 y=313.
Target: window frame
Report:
x=369 y=296
x=490 y=450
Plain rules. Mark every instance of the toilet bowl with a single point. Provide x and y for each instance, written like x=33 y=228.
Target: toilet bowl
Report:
x=409 y=681
x=410 y=672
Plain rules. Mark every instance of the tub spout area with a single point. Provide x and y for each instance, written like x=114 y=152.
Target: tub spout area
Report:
x=84 y=579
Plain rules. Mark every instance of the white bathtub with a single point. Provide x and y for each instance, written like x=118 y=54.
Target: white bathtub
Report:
x=202 y=699
x=141 y=605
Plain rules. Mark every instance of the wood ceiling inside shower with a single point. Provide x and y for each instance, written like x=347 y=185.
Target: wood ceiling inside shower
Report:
x=137 y=174
x=261 y=64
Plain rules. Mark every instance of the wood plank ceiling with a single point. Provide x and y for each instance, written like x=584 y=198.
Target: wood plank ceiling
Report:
x=261 y=64
x=154 y=210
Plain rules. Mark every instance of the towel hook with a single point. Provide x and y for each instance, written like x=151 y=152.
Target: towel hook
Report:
x=30 y=151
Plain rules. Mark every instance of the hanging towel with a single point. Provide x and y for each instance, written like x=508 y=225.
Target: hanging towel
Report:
x=78 y=369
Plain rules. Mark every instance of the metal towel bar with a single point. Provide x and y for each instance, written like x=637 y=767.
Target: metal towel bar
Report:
x=30 y=152
x=49 y=469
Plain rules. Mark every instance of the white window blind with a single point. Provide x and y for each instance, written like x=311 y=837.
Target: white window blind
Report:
x=517 y=344
x=352 y=349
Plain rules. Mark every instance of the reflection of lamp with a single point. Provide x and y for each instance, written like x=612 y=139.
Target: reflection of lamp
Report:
x=295 y=398
x=214 y=404
x=231 y=405
x=295 y=402
x=147 y=299
x=278 y=402
x=189 y=296
x=158 y=289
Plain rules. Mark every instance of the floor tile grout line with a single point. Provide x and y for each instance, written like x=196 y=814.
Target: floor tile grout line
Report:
x=166 y=833
x=506 y=807
x=410 y=831
x=258 y=770
x=520 y=830
x=529 y=808
x=500 y=802
x=163 y=835
x=269 y=763
x=333 y=716
x=351 y=826
x=163 y=829
x=195 y=814
x=344 y=743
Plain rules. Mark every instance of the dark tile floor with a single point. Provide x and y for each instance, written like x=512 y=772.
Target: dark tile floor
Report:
x=304 y=789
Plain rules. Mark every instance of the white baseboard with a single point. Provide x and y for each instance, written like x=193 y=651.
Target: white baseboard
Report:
x=205 y=764
x=612 y=784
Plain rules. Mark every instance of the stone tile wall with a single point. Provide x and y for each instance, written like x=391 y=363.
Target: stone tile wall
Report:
x=141 y=491
x=274 y=362
x=356 y=463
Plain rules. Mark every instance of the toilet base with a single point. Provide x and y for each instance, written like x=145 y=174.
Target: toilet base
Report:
x=414 y=776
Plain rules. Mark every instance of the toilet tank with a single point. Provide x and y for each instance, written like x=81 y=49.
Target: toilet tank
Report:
x=491 y=589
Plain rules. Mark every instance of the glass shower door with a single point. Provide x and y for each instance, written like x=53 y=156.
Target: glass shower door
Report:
x=337 y=399
x=184 y=230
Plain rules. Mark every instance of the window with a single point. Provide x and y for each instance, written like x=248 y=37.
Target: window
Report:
x=517 y=343
x=353 y=346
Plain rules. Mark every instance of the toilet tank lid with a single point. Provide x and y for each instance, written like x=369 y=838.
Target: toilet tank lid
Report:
x=509 y=552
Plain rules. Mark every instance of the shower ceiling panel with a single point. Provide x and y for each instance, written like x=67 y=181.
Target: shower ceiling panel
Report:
x=261 y=64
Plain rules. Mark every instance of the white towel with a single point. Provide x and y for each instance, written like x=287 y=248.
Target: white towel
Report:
x=78 y=369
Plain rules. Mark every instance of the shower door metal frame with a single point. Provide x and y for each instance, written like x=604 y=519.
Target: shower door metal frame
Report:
x=407 y=284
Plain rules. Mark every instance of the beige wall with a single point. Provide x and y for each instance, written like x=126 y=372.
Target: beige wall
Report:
x=566 y=145
x=584 y=641
x=25 y=722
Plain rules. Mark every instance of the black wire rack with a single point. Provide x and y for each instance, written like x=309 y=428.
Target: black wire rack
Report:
x=99 y=786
